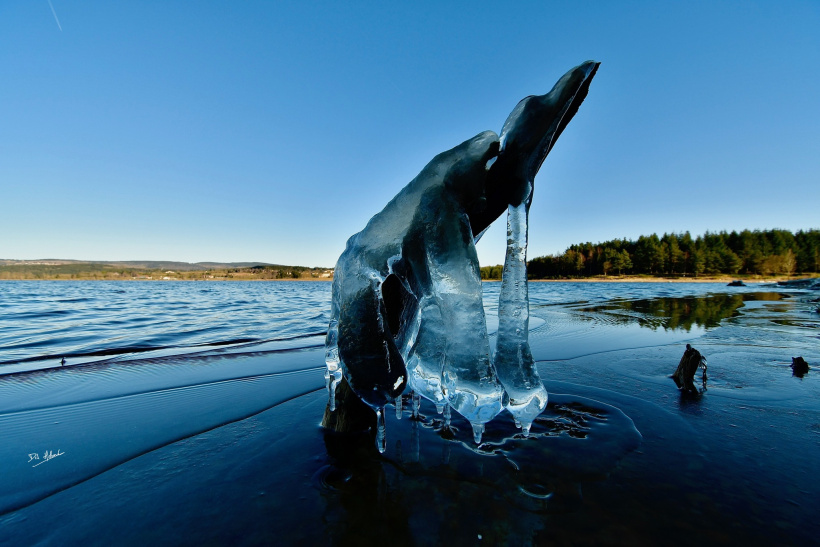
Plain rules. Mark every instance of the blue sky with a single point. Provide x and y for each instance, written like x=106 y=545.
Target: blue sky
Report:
x=272 y=131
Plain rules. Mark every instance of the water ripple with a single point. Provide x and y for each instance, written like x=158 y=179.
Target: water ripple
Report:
x=42 y=321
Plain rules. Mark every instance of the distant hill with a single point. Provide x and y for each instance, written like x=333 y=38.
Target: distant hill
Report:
x=146 y=264
x=212 y=265
x=183 y=266
x=56 y=268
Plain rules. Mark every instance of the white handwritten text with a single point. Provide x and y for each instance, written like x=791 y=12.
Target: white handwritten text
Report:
x=49 y=455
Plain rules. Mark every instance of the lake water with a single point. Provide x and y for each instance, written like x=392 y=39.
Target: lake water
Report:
x=187 y=413
x=43 y=322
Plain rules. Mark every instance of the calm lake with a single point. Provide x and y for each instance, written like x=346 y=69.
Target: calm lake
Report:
x=188 y=412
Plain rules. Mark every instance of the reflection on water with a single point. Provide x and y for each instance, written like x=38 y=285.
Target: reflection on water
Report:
x=277 y=479
x=429 y=466
x=680 y=313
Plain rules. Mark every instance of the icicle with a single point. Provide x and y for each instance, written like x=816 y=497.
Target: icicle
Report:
x=513 y=358
x=333 y=374
x=416 y=405
x=337 y=377
x=398 y=407
x=447 y=417
x=332 y=395
x=478 y=431
x=381 y=441
x=440 y=407
x=525 y=429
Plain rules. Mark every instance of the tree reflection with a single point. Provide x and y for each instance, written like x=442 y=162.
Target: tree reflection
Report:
x=679 y=313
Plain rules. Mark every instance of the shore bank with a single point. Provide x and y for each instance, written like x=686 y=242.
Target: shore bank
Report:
x=130 y=279
x=750 y=279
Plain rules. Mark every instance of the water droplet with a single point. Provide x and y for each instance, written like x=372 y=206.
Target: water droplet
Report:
x=381 y=440
x=478 y=431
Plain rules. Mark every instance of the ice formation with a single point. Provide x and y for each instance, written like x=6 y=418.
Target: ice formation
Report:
x=407 y=310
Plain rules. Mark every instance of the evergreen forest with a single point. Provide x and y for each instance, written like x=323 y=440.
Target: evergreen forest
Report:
x=759 y=252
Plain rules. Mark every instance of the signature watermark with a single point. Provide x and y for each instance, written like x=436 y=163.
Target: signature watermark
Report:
x=48 y=455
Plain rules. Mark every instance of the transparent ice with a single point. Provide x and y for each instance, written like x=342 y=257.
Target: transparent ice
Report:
x=407 y=310
x=333 y=374
x=513 y=358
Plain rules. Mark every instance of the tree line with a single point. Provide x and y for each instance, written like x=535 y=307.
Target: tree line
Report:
x=759 y=252
x=98 y=271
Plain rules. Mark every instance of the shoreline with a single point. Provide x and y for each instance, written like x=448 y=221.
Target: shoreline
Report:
x=130 y=280
x=598 y=279
x=635 y=279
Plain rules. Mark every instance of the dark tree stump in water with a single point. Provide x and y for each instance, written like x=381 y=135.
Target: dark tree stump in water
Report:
x=688 y=366
x=351 y=414
x=799 y=367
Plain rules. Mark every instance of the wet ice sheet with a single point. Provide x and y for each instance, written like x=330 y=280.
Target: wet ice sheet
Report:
x=749 y=460
x=229 y=485
x=90 y=419
x=232 y=483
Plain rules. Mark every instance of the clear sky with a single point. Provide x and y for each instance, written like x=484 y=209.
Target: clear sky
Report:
x=272 y=131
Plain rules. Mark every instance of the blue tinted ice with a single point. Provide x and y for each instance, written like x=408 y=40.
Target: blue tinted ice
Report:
x=407 y=311
x=527 y=397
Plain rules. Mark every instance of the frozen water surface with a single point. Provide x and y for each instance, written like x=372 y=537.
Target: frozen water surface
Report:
x=224 y=446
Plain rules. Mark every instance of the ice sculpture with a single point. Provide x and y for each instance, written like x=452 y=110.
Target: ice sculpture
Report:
x=407 y=310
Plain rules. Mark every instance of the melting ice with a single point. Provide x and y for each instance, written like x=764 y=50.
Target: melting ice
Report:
x=407 y=311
